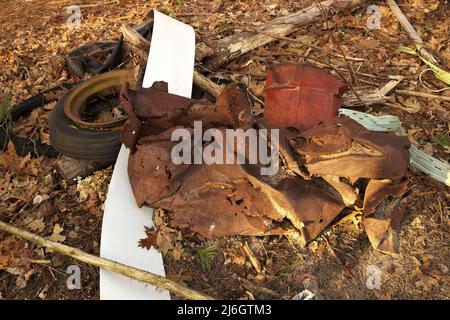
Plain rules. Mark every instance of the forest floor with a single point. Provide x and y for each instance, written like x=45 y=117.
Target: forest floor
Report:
x=338 y=264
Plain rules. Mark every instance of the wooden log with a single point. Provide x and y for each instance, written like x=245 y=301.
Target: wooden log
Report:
x=107 y=264
x=368 y=96
x=70 y=168
x=135 y=41
x=238 y=44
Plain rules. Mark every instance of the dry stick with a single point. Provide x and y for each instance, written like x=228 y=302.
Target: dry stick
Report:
x=84 y=5
x=412 y=33
x=207 y=85
x=371 y=96
x=253 y=259
x=238 y=44
x=98 y=4
x=259 y=288
x=107 y=264
x=423 y=95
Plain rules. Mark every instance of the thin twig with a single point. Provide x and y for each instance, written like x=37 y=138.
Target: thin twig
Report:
x=422 y=95
x=349 y=66
x=254 y=261
x=412 y=33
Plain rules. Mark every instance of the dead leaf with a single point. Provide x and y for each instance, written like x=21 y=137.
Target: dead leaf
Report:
x=9 y=158
x=39 y=198
x=24 y=161
x=179 y=277
x=412 y=139
x=37 y=225
x=411 y=105
x=426 y=283
x=150 y=240
x=177 y=251
x=231 y=257
x=22 y=279
x=47 y=210
x=3 y=260
x=165 y=241
x=56 y=235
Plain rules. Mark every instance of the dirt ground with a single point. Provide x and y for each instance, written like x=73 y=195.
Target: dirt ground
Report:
x=339 y=264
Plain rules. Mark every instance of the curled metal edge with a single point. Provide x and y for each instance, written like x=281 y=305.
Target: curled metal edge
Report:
x=436 y=169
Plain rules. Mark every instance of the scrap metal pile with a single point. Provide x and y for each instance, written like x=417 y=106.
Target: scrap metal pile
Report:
x=330 y=162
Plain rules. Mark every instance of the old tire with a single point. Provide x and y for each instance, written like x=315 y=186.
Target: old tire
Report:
x=82 y=143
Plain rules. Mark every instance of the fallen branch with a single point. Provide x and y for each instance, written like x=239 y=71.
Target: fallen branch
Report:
x=368 y=96
x=70 y=168
x=107 y=264
x=238 y=44
x=207 y=85
x=98 y=4
x=310 y=46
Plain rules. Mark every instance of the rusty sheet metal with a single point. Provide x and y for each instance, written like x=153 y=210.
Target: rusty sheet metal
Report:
x=341 y=147
x=216 y=200
x=382 y=227
x=213 y=204
x=311 y=208
x=154 y=110
x=230 y=199
x=300 y=96
x=379 y=189
x=153 y=175
x=102 y=85
x=161 y=110
x=382 y=216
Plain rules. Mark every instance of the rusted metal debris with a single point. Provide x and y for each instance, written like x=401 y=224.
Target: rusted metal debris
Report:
x=75 y=103
x=300 y=96
x=325 y=166
x=341 y=148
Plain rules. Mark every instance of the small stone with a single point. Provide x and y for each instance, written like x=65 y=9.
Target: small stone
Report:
x=39 y=198
x=443 y=268
x=48 y=180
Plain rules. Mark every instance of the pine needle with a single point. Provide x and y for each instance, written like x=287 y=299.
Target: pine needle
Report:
x=205 y=255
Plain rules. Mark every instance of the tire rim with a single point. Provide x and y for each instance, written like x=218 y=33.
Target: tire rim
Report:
x=75 y=102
